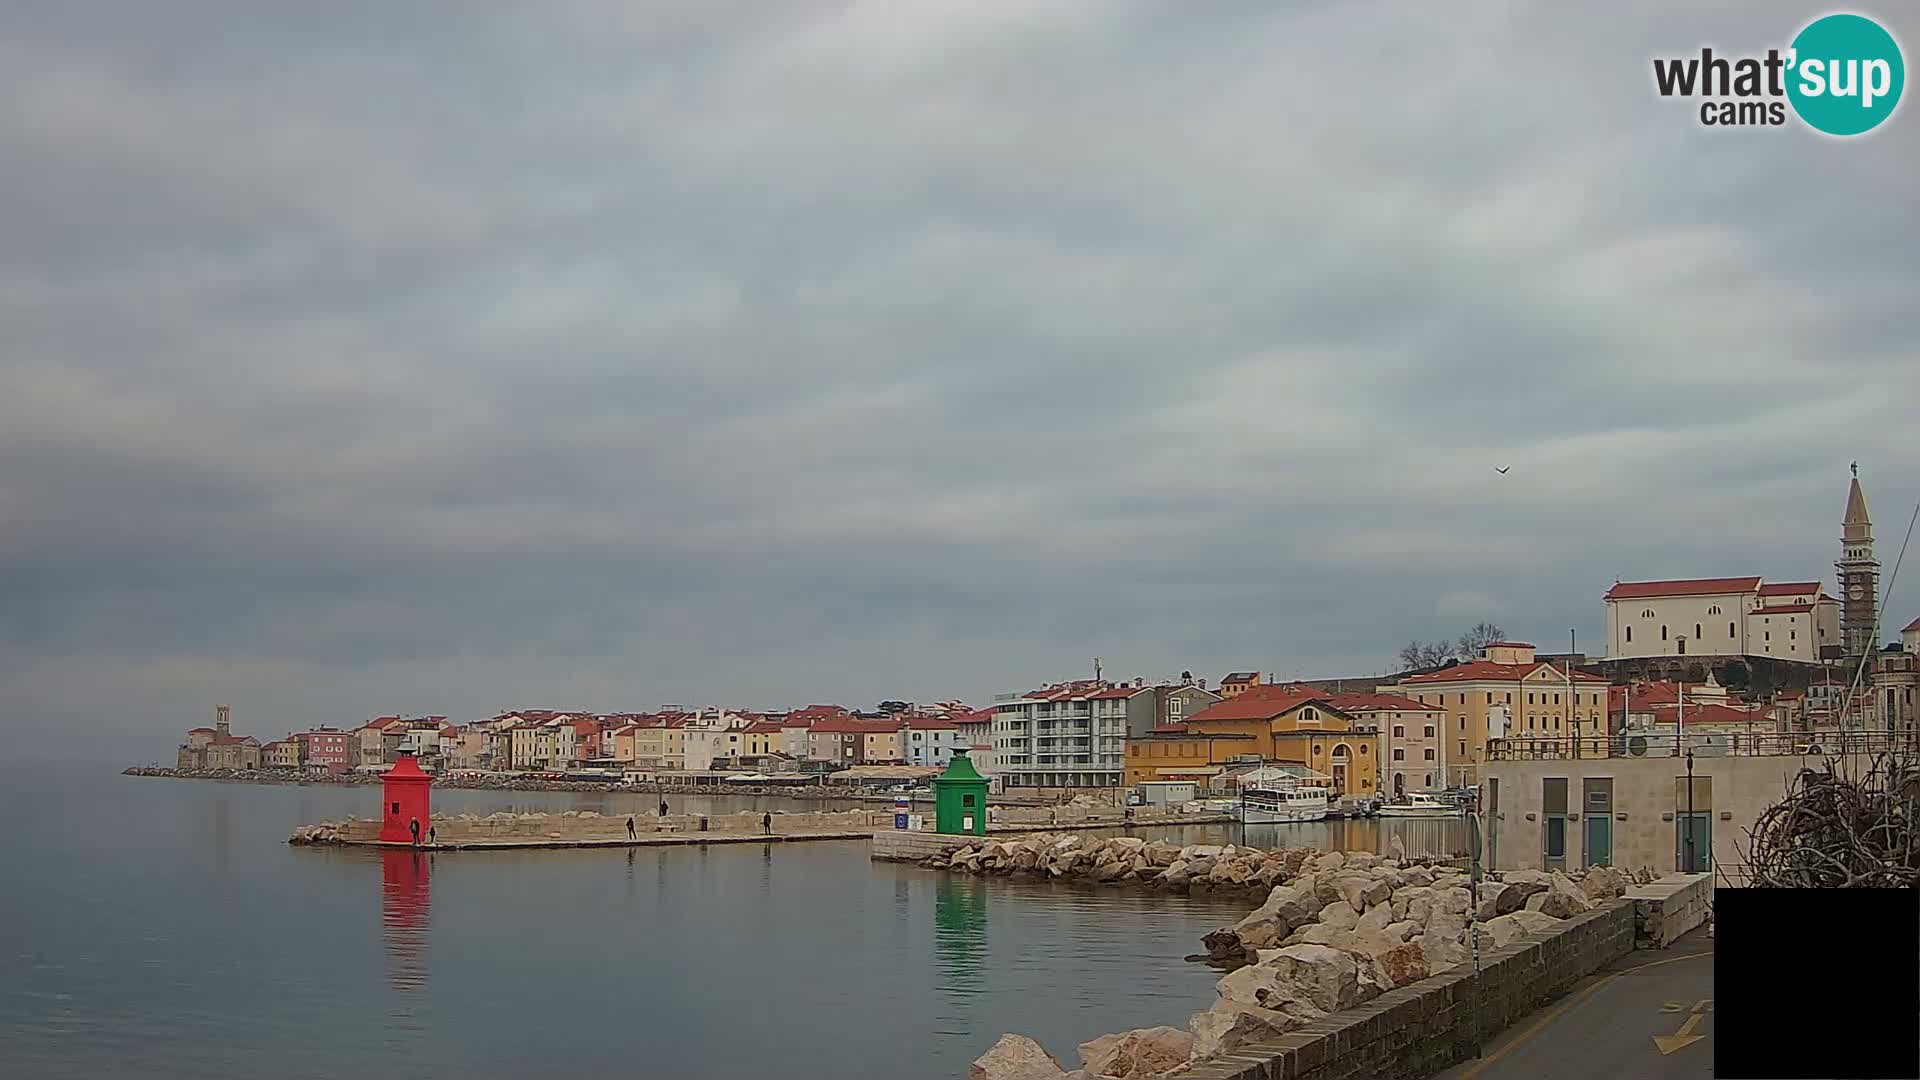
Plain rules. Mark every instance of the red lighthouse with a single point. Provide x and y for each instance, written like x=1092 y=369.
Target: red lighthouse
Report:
x=407 y=803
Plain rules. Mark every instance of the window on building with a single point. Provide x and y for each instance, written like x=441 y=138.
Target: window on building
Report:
x=1647 y=613
x=1714 y=610
x=1399 y=731
x=1663 y=631
x=1363 y=749
x=1429 y=779
x=1556 y=699
x=1696 y=632
x=1429 y=753
x=1529 y=699
x=1463 y=749
x=1629 y=633
x=1767 y=635
x=1729 y=631
x=1430 y=731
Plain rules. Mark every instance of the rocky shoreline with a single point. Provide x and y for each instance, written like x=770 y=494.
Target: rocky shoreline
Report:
x=1335 y=930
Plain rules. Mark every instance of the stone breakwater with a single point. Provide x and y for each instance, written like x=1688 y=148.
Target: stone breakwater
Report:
x=1335 y=930
x=587 y=826
x=1131 y=860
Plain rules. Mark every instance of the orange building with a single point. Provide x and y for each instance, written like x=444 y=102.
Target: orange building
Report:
x=1295 y=725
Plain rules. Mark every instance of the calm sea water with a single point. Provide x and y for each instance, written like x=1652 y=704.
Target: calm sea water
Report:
x=164 y=928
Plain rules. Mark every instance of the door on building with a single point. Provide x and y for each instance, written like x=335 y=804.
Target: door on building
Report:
x=1556 y=853
x=1597 y=804
x=1693 y=842
x=1599 y=840
x=1553 y=815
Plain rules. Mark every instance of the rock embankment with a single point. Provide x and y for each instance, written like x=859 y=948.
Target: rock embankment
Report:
x=1336 y=929
x=1129 y=859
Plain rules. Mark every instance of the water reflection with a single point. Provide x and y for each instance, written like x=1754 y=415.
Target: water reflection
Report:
x=960 y=933
x=403 y=916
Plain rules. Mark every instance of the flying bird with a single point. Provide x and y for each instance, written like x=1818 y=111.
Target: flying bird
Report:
x=1502 y=469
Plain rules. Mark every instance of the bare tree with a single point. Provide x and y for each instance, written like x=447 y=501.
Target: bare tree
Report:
x=1481 y=635
x=1420 y=655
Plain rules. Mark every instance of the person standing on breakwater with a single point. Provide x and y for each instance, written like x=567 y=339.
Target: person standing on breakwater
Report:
x=631 y=833
x=766 y=824
x=663 y=808
x=413 y=826
x=431 y=842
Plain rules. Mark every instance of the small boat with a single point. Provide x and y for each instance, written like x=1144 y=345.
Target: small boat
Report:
x=1284 y=805
x=1420 y=804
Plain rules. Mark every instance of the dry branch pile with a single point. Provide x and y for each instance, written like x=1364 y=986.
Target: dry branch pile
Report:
x=1834 y=830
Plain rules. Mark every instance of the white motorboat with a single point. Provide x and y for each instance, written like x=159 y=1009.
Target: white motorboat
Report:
x=1420 y=805
x=1284 y=805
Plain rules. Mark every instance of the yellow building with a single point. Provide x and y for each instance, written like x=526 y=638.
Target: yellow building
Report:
x=1238 y=683
x=1295 y=725
x=881 y=746
x=761 y=737
x=1506 y=693
x=661 y=746
x=281 y=754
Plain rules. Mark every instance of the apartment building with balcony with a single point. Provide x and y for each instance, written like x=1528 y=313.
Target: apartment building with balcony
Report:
x=1069 y=735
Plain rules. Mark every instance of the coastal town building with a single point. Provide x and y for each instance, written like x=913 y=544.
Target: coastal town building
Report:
x=1507 y=693
x=1068 y=735
x=1239 y=682
x=280 y=754
x=1408 y=743
x=932 y=740
x=325 y=749
x=218 y=747
x=1721 y=617
x=1266 y=724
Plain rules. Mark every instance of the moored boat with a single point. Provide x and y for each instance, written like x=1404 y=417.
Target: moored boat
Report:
x=1419 y=804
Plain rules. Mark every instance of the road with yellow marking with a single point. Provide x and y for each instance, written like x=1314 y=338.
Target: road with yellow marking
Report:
x=1647 y=1016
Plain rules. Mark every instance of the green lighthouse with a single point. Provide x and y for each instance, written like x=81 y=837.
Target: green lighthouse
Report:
x=960 y=798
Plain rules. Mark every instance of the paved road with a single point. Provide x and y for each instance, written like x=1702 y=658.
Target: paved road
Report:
x=1648 y=1016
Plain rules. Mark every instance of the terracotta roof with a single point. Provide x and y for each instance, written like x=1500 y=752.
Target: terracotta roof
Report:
x=931 y=723
x=1637 y=590
x=764 y=727
x=977 y=716
x=1911 y=627
x=1708 y=714
x=1488 y=671
x=1261 y=703
x=1781 y=609
x=234 y=740
x=1168 y=729
x=1789 y=588
x=198 y=730
x=1117 y=693
x=847 y=725
x=1379 y=702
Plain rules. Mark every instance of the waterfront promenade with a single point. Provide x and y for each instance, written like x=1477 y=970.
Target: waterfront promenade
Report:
x=1648 y=1015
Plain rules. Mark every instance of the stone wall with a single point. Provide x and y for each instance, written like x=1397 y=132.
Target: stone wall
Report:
x=1665 y=909
x=902 y=845
x=586 y=825
x=1420 y=1029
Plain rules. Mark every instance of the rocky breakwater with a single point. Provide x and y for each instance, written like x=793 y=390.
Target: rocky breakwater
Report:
x=1128 y=860
x=1336 y=930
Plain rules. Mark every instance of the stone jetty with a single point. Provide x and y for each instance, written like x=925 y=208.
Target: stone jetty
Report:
x=586 y=828
x=1335 y=930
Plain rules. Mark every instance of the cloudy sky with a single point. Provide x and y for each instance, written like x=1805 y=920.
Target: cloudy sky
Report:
x=446 y=357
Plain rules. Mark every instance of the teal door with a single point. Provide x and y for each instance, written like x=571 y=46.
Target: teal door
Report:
x=1693 y=847
x=1599 y=840
x=1556 y=853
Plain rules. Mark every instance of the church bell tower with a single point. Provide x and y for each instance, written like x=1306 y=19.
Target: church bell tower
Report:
x=1858 y=574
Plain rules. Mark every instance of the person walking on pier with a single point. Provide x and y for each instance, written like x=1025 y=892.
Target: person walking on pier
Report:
x=413 y=826
x=663 y=808
x=631 y=833
x=431 y=842
x=766 y=824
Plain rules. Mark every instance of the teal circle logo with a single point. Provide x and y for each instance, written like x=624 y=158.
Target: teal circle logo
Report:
x=1845 y=74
